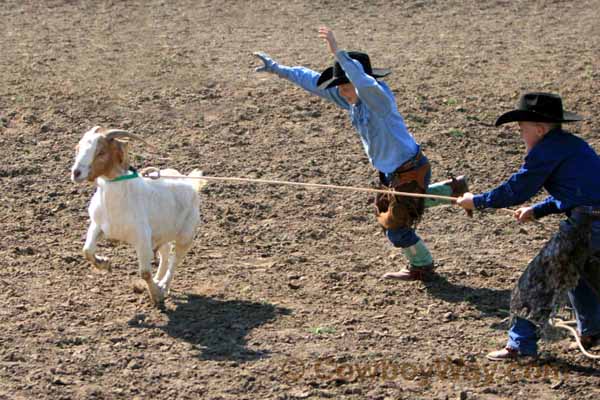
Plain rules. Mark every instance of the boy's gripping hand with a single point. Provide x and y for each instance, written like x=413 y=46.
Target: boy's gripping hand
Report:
x=466 y=201
x=525 y=214
x=268 y=62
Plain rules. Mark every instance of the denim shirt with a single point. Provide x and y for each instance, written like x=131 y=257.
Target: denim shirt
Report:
x=562 y=163
x=375 y=116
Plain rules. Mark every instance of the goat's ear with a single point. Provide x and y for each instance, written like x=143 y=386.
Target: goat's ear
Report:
x=120 y=150
x=119 y=143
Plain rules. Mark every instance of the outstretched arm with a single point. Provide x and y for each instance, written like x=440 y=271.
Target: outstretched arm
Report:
x=369 y=90
x=301 y=76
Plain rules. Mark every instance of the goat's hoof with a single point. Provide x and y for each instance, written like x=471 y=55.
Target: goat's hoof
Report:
x=102 y=263
x=159 y=301
x=157 y=296
x=164 y=290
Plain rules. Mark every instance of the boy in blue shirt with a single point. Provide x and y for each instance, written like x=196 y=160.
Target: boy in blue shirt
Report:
x=567 y=167
x=352 y=85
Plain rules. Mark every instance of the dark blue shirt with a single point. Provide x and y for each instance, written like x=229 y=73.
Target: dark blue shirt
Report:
x=562 y=163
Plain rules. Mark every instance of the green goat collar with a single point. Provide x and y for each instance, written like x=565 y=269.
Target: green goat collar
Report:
x=131 y=175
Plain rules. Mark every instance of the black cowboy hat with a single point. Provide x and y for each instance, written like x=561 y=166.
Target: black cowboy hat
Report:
x=334 y=76
x=539 y=107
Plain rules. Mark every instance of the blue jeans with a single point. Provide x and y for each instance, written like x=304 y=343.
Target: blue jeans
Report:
x=522 y=335
x=406 y=237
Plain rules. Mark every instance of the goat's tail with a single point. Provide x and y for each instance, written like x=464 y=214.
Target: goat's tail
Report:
x=197 y=183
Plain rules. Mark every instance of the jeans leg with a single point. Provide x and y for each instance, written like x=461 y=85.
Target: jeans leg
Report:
x=587 y=308
x=522 y=336
x=402 y=237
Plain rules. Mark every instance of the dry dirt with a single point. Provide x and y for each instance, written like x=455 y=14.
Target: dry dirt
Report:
x=280 y=297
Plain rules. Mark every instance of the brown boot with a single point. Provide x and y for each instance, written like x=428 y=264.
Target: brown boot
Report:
x=508 y=354
x=458 y=185
x=412 y=274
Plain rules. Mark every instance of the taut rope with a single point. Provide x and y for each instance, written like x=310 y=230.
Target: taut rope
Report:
x=154 y=173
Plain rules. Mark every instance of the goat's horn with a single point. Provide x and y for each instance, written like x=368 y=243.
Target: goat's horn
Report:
x=118 y=133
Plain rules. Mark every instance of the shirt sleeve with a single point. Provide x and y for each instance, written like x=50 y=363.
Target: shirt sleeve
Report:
x=546 y=207
x=521 y=186
x=307 y=80
x=369 y=90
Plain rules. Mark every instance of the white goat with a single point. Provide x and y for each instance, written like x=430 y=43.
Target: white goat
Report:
x=152 y=215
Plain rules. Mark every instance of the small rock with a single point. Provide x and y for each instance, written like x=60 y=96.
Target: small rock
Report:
x=138 y=286
x=58 y=381
x=22 y=251
x=462 y=396
x=59 y=207
x=301 y=394
x=557 y=385
x=335 y=276
x=134 y=364
x=458 y=361
x=70 y=259
x=448 y=316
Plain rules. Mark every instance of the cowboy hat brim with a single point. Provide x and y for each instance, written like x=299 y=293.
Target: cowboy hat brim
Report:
x=522 y=115
x=328 y=80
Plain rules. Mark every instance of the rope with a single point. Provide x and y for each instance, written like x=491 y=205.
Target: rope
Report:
x=566 y=325
x=154 y=173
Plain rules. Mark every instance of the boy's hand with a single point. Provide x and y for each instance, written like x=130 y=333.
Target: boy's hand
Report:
x=525 y=214
x=466 y=201
x=327 y=35
x=267 y=62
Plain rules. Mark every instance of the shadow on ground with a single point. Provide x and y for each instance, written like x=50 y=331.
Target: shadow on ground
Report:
x=490 y=302
x=217 y=328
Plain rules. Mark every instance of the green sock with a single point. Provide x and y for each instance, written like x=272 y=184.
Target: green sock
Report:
x=439 y=189
x=418 y=255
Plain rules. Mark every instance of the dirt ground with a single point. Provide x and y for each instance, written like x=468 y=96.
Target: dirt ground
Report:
x=280 y=297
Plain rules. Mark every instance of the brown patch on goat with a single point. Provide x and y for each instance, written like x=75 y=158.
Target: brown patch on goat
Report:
x=110 y=160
